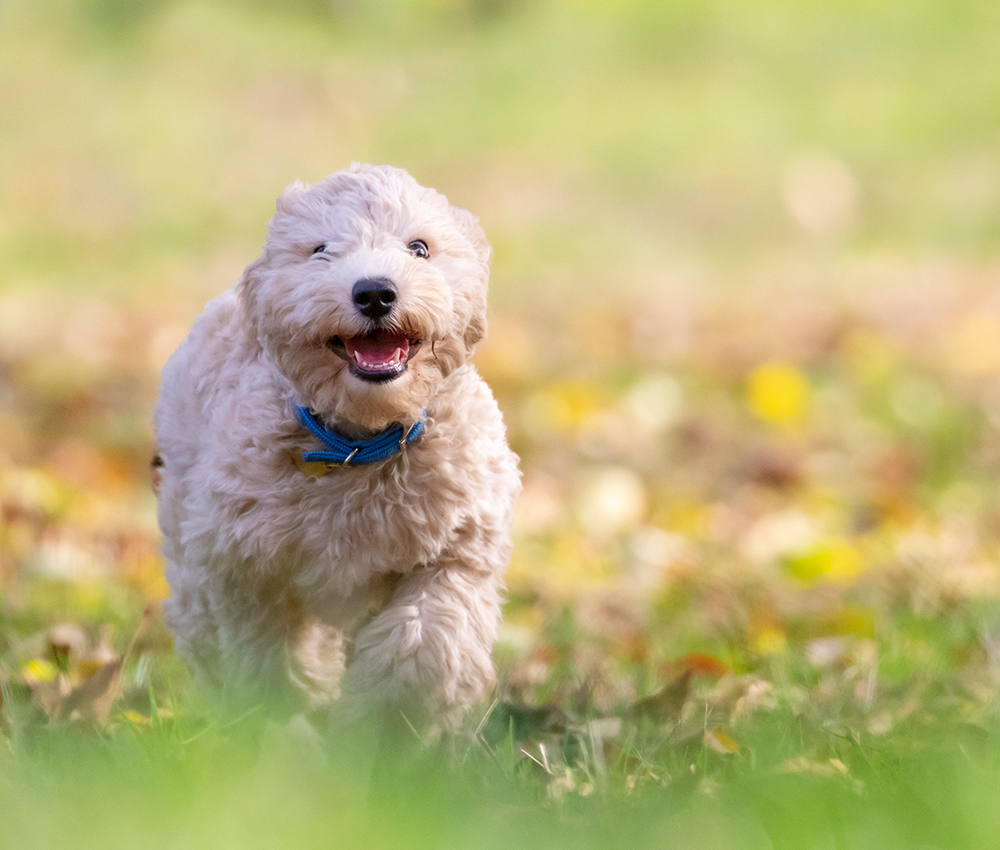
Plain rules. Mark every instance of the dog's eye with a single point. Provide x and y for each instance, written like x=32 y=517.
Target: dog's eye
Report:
x=320 y=249
x=419 y=249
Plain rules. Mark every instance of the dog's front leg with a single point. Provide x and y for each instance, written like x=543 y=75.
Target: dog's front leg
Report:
x=428 y=654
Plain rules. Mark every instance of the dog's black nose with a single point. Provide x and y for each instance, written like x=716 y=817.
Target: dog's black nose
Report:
x=374 y=297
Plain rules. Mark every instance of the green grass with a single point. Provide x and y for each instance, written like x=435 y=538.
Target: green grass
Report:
x=167 y=786
x=891 y=740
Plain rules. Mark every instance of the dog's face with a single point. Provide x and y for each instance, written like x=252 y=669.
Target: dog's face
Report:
x=370 y=289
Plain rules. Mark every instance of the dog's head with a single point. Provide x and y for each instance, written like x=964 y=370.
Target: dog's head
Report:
x=371 y=288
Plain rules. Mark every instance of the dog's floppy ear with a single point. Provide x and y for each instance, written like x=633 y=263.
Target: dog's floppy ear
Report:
x=247 y=290
x=475 y=330
x=293 y=192
x=469 y=225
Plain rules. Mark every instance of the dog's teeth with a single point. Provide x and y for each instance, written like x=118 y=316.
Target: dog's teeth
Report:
x=380 y=365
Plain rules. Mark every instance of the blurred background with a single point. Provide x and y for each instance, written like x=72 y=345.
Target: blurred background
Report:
x=745 y=303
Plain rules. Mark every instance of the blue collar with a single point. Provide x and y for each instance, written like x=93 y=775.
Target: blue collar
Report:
x=346 y=452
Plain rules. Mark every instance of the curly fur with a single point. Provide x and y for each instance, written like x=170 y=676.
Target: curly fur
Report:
x=375 y=585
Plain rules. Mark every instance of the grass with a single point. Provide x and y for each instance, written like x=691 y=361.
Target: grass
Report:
x=744 y=336
x=889 y=739
x=165 y=787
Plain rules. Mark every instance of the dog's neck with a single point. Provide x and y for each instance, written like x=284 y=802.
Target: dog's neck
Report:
x=350 y=430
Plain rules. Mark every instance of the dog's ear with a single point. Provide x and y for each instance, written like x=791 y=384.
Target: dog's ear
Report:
x=475 y=329
x=469 y=225
x=247 y=291
x=287 y=200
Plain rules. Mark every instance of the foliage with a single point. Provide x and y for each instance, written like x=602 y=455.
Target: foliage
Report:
x=745 y=339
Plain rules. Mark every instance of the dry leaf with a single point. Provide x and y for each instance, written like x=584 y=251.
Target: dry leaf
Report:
x=665 y=706
x=720 y=742
x=830 y=767
x=94 y=698
x=697 y=663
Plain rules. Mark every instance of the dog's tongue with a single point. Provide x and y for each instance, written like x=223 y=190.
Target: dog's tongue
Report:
x=377 y=351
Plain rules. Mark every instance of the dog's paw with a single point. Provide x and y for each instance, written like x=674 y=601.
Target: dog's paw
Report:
x=316 y=660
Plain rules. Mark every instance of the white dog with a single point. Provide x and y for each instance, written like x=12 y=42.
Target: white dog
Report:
x=336 y=486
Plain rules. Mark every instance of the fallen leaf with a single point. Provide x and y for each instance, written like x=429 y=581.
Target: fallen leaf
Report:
x=770 y=468
x=770 y=640
x=835 y=561
x=137 y=719
x=66 y=641
x=778 y=393
x=37 y=671
x=94 y=698
x=698 y=663
x=720 y=742
x=829 y=767
x=664 y=706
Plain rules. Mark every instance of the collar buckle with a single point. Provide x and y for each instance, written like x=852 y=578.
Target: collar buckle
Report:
x=405 y=438
x=333 y=464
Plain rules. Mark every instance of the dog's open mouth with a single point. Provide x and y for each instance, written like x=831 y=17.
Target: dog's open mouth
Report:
x=376 y=357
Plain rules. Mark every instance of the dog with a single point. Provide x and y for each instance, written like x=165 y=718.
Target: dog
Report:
x=336 y=489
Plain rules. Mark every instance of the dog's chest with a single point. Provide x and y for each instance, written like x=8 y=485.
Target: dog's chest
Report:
x=357 y=523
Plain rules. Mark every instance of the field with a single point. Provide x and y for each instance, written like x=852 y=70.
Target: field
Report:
x=745 y=313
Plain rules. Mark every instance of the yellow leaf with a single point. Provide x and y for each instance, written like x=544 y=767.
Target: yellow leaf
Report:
x=38 y=670
x=835 y=561
x=560 y=407
x=719 y=741
x=137 y=719
x=854 y=621
x=778 y=393
x=770 y=640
